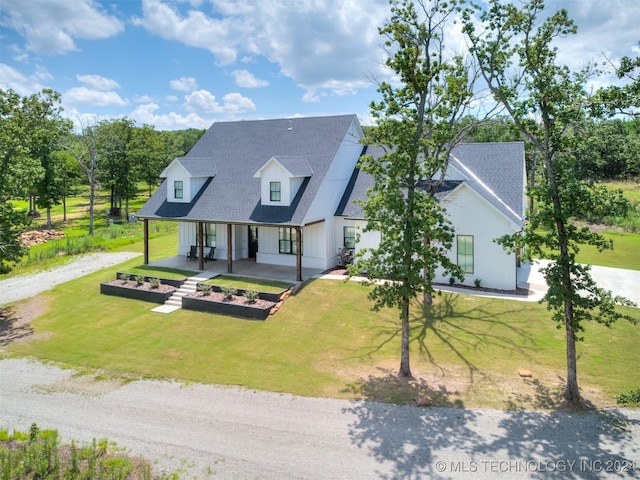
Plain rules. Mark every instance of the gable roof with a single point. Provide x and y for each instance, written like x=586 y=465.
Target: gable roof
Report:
x=237 y=150
x=493 y=170
x=296 y=166
x=196 y=167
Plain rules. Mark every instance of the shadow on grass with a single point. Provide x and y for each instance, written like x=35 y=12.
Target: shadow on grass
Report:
x=390 y=388
x=465 y=329
x=12 y=328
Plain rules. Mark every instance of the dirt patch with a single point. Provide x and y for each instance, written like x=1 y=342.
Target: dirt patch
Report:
x=457 y=387
x=15 y=321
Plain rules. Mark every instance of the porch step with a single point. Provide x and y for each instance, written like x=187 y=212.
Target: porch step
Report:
x=189 y=286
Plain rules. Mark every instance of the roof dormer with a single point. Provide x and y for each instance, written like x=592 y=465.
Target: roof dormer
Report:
x=281 y=178
x=186 y=176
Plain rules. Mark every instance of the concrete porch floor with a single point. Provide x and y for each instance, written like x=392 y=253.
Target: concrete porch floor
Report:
x=241 y=268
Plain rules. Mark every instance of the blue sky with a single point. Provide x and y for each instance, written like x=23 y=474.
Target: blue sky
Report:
x=187 y=63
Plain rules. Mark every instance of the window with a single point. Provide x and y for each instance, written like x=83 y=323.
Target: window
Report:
x=209 y=235
x=349 y=235
x=287 y=240
x=178 y=190
x=465 y=253
x=274 y=191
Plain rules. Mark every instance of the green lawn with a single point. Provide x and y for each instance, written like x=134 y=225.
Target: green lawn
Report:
x=625 y=253
x=325 y=341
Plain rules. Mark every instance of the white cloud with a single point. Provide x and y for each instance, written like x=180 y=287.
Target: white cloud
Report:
x=10 y=78
x=219 y=36
x=236 y=103
x=143 y=99
x=145 y=114
x=50 y=26
x=171 y=98
x=96 y=98
x=246 y=79
x=205 y=101
x=317 y=44
x=98 y=82
x=184 y=84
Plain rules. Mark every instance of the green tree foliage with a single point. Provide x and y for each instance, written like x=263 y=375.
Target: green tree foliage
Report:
x=30 y=128
x=608 y=149
x=416 y=128
x=116 y=169
x=624 y=99
x=513 y=47
x=148 y=154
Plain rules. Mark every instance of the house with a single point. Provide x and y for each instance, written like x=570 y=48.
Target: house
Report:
x=281 y=192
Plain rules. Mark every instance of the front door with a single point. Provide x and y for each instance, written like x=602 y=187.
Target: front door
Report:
x=253 y=241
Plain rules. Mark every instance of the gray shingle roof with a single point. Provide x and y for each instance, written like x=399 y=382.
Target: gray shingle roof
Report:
x=297 y=166
x=237 y=150
x=494 y=171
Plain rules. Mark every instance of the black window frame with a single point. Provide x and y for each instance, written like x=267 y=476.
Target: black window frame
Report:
x=275 y=192
x=349 y=240
x=176 y=189
x=287 y=240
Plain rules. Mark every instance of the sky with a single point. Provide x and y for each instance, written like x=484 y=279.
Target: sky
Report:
x=178 y=64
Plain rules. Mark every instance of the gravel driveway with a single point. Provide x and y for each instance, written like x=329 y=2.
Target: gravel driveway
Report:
x=215 y=432
x=25 y=286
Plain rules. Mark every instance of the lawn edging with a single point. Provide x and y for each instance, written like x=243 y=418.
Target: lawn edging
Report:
x=152 y=296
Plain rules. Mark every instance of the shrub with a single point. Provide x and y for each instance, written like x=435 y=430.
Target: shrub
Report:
x=155 y=282
x=228 y=292
x=345 y=256
x=251 y=296
x=477 y=282
x=139 y=279
x=205 y=288
x=124 y=277
x=452 y=280
x=630 y=398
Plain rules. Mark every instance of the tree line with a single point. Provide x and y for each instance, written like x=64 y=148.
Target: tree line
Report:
x=44 y=161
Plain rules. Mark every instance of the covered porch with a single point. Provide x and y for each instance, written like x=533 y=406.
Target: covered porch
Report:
x=233 y=264
x=241 y=268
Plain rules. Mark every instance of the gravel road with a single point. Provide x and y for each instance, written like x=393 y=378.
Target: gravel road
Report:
x=25 y=286
x=206 y=431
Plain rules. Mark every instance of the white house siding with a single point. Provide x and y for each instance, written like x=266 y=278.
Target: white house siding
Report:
x=313 y=247
x=187 y=236
x=473 y=215
x=330 y=193
x=176 y=172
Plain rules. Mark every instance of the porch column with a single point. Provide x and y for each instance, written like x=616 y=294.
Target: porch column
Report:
x=229 y=249
x=145 y=247
x=200 y=246
x=298 y=254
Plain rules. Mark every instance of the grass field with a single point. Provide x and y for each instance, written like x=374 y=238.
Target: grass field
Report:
x=326 y=341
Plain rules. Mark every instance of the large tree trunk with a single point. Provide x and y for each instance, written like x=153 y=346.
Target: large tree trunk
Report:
x=49 y=217
x=405 y=369
x=92 y=191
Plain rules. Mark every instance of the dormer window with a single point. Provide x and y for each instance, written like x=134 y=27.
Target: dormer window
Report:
x=281 y=179
x=274 y=191
x=178 y=189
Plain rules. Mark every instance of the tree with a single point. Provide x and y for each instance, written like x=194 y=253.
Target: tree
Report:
x=416 y=128
x=45 y=127
x=84 y=148
x=116 y=170
x=519 y=64
x=147 y=151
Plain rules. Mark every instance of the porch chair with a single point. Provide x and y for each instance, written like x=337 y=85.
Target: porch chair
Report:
x=193 y=253
x=209 y=256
